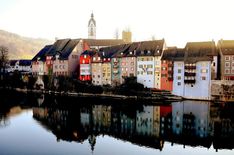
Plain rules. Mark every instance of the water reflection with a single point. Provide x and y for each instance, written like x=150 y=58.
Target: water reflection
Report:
x=189 y=123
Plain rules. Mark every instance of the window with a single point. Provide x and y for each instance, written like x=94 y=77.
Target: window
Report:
x=179 y=64
x=232 y=71
x=140 y=66
x=178 y=77
x=149 y=72
x=83 y=61
x=204 y=70
x=213 y=63
x=233 y=58
x=204 y=64
x=203 y=78
x=232 y=64
x=227 y=71
x=132 y=69
x=178 y=83
x=138 y=72
x=164 y=61
x=94 y=58
x=164 y=68
x=85 y=56
x=227 y=58
x=93 y=76
x=227 y=64
x=179 y=70
x=149 y=66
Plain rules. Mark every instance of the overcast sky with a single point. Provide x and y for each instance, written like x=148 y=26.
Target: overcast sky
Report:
x=177 y=21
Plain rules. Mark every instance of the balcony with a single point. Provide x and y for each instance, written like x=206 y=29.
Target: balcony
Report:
x=189 y=74
x=190 y=67
x=190 y=81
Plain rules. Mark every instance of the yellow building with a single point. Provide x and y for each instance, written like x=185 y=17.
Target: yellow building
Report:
x=106 y=72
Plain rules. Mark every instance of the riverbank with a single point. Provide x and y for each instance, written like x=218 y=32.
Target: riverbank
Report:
x=155 y=96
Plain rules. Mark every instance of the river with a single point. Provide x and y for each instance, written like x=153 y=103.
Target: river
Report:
x=52 y=125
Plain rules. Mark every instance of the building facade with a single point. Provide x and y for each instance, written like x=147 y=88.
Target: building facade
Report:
x=193 y=70
x=226 y=51
x=148 y=55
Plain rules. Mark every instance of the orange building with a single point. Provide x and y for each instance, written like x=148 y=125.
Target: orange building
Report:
x=167 y=68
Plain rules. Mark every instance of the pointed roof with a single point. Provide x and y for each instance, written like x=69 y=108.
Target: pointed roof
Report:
x=92 y=20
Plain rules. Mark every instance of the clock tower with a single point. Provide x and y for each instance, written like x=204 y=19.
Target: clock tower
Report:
x=92 y=28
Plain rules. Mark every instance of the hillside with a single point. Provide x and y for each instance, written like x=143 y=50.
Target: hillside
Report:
x=21 y=47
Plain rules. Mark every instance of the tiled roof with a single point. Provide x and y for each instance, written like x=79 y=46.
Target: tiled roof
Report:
x=226 y=47
x=200 y=51
x=64 y=54
x=112 y=51
x=150 y=48
x=103 y=42
x=24 y=62
x=173 y=54
x=144 y=48
x=88 y=52
x=58 y=46
x=41 y=54
x=12 y=62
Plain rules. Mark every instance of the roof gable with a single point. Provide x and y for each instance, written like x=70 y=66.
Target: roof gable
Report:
x=41 y=54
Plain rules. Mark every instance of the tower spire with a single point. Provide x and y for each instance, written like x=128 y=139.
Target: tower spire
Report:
x=92 y=27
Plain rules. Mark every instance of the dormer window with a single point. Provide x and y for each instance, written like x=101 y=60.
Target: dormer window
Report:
x=130 y=52
x=85 y=56
x=104 y=59
x=157 y=51
x=99 y=58
x=94 y=58
x=148 y=52
x=108 y=59
x=121 y=53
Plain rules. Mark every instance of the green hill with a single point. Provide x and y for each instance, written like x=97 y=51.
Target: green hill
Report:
x=21 y=47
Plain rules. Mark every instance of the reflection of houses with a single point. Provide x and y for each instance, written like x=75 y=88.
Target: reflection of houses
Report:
x=101 y=117
x=147 y=121
x=191 y=118
x=165 y=120
x=186 y=123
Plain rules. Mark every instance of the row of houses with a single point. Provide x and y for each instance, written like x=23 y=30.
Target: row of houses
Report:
x=184 y=71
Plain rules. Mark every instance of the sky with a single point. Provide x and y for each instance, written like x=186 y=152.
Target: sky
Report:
x=177 y=21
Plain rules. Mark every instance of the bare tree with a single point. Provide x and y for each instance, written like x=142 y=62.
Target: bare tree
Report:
x=3 y=58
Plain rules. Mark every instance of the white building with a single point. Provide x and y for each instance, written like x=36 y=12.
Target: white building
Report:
x=149 y=62
x=193 y=70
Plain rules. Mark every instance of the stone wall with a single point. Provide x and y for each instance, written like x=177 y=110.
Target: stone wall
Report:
x=222 y=89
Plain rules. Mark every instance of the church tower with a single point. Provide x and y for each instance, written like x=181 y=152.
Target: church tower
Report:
x=92 y=28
